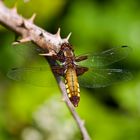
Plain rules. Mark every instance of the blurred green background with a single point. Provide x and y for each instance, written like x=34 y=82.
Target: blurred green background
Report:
x=30 y=112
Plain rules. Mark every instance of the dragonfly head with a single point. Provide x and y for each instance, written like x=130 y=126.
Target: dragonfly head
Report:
x=67 y=50
x=75 y=100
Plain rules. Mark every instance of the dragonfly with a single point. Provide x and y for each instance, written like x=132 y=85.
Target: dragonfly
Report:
x=88 y=70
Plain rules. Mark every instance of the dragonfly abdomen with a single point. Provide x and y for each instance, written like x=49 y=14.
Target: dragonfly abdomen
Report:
x=72 y=86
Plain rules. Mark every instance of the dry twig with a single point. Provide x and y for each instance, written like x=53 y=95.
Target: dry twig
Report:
x=28 y=31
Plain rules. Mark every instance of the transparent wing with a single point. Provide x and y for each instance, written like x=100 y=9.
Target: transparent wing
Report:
x=28 y=50
x=23 y=49
x=96 y=78
x=106 y=57
x=38 y=76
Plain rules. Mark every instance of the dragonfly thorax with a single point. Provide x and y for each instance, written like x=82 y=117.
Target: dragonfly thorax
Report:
x=68 y=56
x=67 y=50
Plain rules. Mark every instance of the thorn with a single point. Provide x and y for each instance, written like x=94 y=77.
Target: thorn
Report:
x=26 y=0
x=63 y=99
x=44 y=54
x=23 y=40
x=32 y=18
x=14 y=9
x=15 y=43
x=27 y=39
x=48 y=54
x=67 y=38
x=58 y=33
x=83 y=122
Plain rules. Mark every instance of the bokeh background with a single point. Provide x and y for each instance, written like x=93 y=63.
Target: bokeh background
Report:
x=30 y=112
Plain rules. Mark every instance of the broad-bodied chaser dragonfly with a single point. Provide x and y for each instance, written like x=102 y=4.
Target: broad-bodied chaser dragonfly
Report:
x=86 y=70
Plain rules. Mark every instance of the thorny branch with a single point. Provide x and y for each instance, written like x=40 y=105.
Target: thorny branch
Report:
x=28 y=31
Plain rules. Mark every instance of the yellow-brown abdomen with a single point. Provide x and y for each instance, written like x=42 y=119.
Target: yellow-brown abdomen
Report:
x=72 y=86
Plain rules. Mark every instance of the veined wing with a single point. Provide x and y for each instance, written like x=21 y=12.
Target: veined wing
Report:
x=28 y=50
x=96 y=78
x=105 y=58
x=38 y=76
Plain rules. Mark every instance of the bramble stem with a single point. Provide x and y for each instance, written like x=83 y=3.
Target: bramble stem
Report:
x=52 y=42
